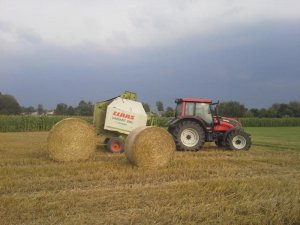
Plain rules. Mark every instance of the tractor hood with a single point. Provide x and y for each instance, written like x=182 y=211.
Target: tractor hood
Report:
x=230 y=121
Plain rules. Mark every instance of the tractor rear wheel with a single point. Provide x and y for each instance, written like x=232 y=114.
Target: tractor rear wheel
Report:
x=115 y=145
x=239 y=140
x=188 y=136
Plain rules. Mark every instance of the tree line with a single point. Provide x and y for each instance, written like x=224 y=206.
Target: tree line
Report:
x=83 y=109
x=277 y=110
x=160 y=109
x=10 y=106
x=237 y=110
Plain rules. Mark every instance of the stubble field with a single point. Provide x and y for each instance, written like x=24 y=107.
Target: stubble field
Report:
x=261 y=186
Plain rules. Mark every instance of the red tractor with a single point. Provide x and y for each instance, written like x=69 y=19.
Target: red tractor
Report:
x=197 y=121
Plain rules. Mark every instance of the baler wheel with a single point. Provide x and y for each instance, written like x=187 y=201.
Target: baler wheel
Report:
x=115 y=145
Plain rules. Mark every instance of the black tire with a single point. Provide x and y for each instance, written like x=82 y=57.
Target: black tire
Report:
x=219 y=142
x=170 y=130
x=188 y=136
x=115 y=145
x=238 y=140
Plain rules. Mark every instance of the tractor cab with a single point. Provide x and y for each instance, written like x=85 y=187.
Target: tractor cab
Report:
x=190 y=107
x=197 y=121
x=206 y=112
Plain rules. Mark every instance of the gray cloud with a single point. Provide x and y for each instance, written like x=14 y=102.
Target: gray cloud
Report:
x=5 y=27
x=115 y=25
x=13 y=37
x=257 y=65
x=29 y=36
x=62 y=51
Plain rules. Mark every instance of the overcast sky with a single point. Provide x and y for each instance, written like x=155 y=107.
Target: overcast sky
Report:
x=70 y=50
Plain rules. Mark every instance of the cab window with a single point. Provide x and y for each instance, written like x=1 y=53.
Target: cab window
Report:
x=203 y=111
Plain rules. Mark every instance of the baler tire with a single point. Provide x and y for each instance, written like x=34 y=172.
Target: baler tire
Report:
x=116 y=145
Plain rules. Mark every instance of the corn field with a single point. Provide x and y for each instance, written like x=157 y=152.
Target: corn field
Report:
x=30 y=123
x=45 y=123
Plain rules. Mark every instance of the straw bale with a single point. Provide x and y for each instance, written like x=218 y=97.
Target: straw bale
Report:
x=71 y=139
x=149 y=147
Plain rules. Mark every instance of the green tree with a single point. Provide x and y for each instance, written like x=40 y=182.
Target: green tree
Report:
x=40 y=109
x=61 y=109
x=281 y=110
x=232 y=109
x=248 y=114
x=170 y=112
x=262 y=112
x=146 y=107
x=295 y=108
x=160 y=106
x=85 y=108
x=255 y=112
x=70 y=111
x=28 y=110
x=9 y=105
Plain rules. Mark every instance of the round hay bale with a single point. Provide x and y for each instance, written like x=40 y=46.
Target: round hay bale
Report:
x=71 y=139
x=149 y=147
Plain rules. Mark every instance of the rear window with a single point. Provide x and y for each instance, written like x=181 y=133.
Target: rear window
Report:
x=178 y=109
x=189 y=108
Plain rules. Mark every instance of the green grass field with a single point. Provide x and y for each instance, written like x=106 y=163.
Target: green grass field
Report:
x=261 y=186
x=272 y=138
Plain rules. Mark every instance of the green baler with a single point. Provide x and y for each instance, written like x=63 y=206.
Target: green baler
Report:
x=116 y=117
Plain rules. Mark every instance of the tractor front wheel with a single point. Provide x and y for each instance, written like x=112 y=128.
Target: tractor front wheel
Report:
x=239 y=140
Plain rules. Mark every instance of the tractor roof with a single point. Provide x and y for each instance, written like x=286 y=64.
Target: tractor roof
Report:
x=200 y=100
